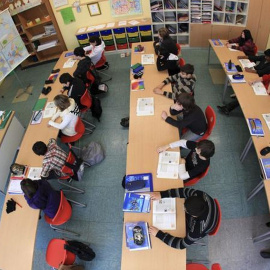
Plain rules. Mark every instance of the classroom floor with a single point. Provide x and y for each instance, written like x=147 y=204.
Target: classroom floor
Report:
x=230 y=181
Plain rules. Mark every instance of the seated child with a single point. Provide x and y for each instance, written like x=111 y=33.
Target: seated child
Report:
x=189 y=116
x=96 y=47
x=40 y=195
x=183 y=82
x=198 y=159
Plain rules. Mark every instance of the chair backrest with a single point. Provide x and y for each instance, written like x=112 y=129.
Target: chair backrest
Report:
x=211 y=122
x=101 y=61
x=90 y=77
x=196 y=266
x=63 y=214
x=80 y=128
x=66 y=169
x=178 y=48
x=215 y=231
x=255 y=50
x=56 y=254
x=216 y=266
x=181 y=62
x=86 y=100
x=197 y=179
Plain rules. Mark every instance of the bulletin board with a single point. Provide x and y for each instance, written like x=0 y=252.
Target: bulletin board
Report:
x=125 y=7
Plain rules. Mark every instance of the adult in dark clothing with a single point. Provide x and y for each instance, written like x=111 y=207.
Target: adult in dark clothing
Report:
x=201 y=216
x=262 y=68
x=40 y=195
x=190 y=116
x=198 y=159
x=243 y=43
x=83 y=65
x=167 y=51
x=74 y=86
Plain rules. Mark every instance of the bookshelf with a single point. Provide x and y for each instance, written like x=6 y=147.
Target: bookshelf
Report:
x=178 y=15
x=40 y=33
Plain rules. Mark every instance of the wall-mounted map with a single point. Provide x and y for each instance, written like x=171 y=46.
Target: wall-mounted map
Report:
x=125 y=7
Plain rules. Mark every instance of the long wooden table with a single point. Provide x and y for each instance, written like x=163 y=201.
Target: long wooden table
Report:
x=18 y=229
x=146 y=133
x=253 y=106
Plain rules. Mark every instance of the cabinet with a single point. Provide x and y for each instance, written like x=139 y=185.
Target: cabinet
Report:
x=40 y=33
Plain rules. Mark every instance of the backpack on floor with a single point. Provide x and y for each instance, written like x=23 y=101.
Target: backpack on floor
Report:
x=96 y=108
x=81 y=250
x=92 y=154
x=98 y=88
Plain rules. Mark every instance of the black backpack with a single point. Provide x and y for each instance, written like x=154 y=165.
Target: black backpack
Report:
x=96 y=108
x=81 y=250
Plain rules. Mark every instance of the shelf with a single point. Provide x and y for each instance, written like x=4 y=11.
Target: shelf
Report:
x=56 y=45
x=43 y=37
x=37 y=24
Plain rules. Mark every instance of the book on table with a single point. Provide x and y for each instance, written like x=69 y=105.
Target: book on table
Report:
x=137 y=236
x=4 y=116
x=139 y=182
x=15 y=187
x=19 y=175
x=69 y=63
x=137 y=203
x=49 y=110
x=259 y=89
x=232 y=69
x=145 y=106
x=255 y=127
x=164 y=214
x=137 y=85
x=168 y=163
x=246 y=63
x=266 y=117
x=36 y=117
x=265 y=164
x=148 y=59
x=232 y=80
x=34 y=173
x=217 y=42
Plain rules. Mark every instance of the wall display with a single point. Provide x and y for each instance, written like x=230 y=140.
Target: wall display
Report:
x=59 y=3
x=94 y=9
x=125 y=7
x=13 y=50
x=67 y=15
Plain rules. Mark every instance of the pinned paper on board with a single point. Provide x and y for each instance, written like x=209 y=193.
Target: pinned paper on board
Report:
x=67 y=15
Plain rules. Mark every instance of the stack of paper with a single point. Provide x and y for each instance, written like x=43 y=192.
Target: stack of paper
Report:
x=232 y=80
x=148 y=59
x=164 y=214
x=168 y=163
x=15 y=187
x=259 y=89
x=145 y=106
x=245 y=63
x=47 y=45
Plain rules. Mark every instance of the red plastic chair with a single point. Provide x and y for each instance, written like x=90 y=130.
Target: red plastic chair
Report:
x=91 y=79
x=178 y=48
x=255 y=50
x=196 y=179
x=100 y=64
x=57 y=255
x=215 y=231
x=79 y=128
x=62 y=216
x=196 y=266
x=181 y=62
x=211 y=122
x=86 y=101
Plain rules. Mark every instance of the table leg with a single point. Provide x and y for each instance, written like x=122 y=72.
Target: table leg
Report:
x=246 y=149
x=264 y=237
x=225 y=88
x=209 y=48
x=255 y=190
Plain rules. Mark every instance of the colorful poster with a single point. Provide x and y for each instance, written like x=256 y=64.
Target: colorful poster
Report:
x=12 y=49
x=125 y=7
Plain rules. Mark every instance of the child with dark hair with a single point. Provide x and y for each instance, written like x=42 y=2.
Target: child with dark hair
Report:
x=243 y=43
x=183 y=82
x=189 y=116
x=198 y=159
x=53 y=161
x=96 y=47
x=74 y=86
x=201 y=216
x=40 y=195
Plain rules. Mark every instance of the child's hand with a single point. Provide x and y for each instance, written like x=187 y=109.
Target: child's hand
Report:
x=164 y=115
x=163 y=148
x=155 y=196
x=153 y=230
x=182 y=161
x=158 y=91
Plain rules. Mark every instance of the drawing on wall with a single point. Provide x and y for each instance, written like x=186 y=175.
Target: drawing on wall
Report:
x=4 y=67
x=125 y=7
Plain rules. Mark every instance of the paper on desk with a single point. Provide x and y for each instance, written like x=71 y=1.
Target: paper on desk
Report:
x=266 y=117
x=233 y=50
x=34 y=173
x=148 y=59
x=90 y=28
x=15 y=187
x=245 y=63
x=37 y=117
x=259 y=89
x=100 y=26
x=81 y=30
x=145 y=106
x=232 y=80
x=111 y=24
x=69 y=63
x=122 y=23
x=50 y=110
x=133 y=22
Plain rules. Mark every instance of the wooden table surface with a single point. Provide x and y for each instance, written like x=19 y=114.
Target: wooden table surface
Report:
x=18 y=229
x=253 y=106
x=146 y=133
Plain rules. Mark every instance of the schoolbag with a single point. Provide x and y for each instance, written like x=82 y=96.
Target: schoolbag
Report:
x=96 y=108
x=92 y=154
x=98 y=88
x=81 y=250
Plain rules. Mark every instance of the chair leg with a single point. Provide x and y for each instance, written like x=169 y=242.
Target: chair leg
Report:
x=64 y=231
x=71 y=188
x=105 y=75
x=77 y=203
